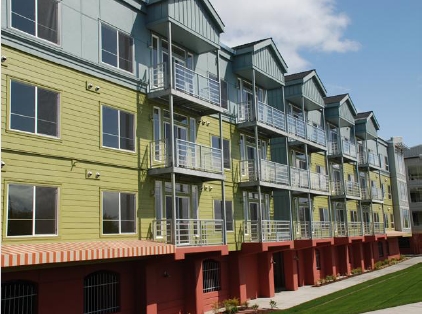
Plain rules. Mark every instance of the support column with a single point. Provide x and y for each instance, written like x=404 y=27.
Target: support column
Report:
x=291 y=270
x=266 y=275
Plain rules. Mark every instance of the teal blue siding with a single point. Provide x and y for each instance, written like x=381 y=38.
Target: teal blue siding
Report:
x=346 y=114
x=265 y=62
x=311 y=91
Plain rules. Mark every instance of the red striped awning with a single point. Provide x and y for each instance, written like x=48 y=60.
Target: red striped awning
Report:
x=45 y=253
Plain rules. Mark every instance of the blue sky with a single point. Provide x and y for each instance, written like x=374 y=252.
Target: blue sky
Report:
x=371 y=49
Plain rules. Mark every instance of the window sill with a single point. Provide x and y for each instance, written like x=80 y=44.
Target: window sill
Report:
x=117 y=150
x=34 y=135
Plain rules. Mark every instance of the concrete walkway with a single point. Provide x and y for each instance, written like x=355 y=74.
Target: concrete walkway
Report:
x=288 y=299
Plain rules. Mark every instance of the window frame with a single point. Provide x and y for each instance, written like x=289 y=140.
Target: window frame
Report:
x=135 y=204
x=28 y=285
x=224 y=150
x=59 y=23
x=118 y=128
x=33 y=235
x=214 y=272
x=36 y=87
x=116 y=284
x=101 y=23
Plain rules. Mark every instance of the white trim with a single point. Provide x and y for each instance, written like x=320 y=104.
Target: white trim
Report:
x=120 y=209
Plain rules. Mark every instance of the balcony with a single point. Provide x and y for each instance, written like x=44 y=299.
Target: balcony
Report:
x=302 y=230
x=319 y=182
x=346 y=188
x=272 y=231
x=270 y=120
x=300 y=178
x=296 y=126
x=348 y=149
x=341 y=229
x=191 y=90
x=321 y=229
x=190 y=232
x=379 y=228
x=272 y=174
x=354 y=229
x=372 y=194
x=369 y=159
x=190 y=159
x=316 y=135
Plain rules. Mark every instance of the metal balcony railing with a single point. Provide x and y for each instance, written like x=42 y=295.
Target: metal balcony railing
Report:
x=354 y=229
x=276 y=230
x=251 y=231
x=349 y=148
x=186 y=81
x=349 y=188
x=316 y=135
x=373 y=193
x=295 y=126
x=333 y=148
x=321 y=229
x=341 y=229
x=188 y=155
x=271 y=116
x=271 y=172
x=319 y=182
x=368 y=228
x=302 y=230
x=266 y=114
x=379 y=228
x=369 y=158
x=190 y=232
x=299 y=177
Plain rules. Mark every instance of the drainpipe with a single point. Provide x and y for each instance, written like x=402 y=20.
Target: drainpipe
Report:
x=172 y=140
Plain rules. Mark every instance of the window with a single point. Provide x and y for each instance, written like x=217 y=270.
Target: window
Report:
x=116 y=48
x=34 y=109
x=32 y=210
x=323 y=214
x=226 y=150
x=211 y=276
x=224 y=94
x=380 y=249
x=118 y=213
x=118 y=129
x=387 y=166
x=318 y=259
x=102 y=293
x=218 y=213
x=353 y=216
x=389 y=191
x=392 y=221
x=39 y=18
x=19 y=297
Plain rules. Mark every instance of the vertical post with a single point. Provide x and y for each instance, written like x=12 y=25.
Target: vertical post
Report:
x=223 y=187
x=172 y=138
x=257 y=157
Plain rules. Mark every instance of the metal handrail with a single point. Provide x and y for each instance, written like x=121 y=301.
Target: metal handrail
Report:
x=321 y=229
x=316 y=134
x=319 y=182
x=295 y=126
x=299 y=177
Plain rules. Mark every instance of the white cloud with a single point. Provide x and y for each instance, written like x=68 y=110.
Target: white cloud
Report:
x=312 y=25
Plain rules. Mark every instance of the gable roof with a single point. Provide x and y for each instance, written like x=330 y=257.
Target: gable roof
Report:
x=414 y=151
x=259 y=44
x=305 y=76
x=296 y=76
x=334 y=99
x=338 y=100
x=208 y=6
x=365 y=116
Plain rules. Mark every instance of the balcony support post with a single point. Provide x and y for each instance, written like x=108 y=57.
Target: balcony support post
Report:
x=172 y=139
x=223 y=188
x=362 y=224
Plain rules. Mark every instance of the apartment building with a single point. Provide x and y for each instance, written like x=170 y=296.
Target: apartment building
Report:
x=413 y=163
x=149 y=168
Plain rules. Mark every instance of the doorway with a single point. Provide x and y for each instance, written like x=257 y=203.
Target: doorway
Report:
x=279 y=277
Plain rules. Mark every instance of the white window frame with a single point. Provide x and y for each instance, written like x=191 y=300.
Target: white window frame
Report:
x=229 y=150
x=36 y=110
x=118 y=61
x=118 y=128
x=33 y=212
x=120 y=214
x=59 y=23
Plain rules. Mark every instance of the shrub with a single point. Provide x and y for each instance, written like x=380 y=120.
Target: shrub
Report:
x=378 y=265
x=255 y=308
x=329 y=278
x=273 y=304
x=356 y=271
x=231 y=305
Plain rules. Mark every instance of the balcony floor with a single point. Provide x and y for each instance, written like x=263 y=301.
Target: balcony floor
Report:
x=185 y=101
x=195 y=175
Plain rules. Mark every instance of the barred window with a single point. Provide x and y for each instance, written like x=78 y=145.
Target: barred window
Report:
x=380 y=249
x=102 y=293
x=19 y=297
x=211 y=275
x=318 y=259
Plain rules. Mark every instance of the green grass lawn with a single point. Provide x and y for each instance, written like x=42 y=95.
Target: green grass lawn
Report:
x=395 y=289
